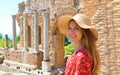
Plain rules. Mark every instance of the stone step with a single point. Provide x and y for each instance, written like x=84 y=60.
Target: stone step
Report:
x=11 y=73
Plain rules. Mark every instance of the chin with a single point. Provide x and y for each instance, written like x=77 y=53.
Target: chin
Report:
x=72 y=41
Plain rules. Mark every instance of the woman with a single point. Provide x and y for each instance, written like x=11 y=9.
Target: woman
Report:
x=85 y=59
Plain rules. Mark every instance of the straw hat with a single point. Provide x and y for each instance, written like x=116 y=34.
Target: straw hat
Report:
x=82 y=20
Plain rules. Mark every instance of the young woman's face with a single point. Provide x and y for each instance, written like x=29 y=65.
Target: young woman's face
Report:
x=74 y=32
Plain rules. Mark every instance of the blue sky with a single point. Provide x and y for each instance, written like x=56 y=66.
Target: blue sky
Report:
x=8 y=8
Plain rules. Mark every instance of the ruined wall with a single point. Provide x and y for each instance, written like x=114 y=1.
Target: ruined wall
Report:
x=115 y=50
x=107 y=20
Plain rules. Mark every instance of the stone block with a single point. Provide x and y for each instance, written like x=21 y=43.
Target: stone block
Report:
x=46 y=66
x=34 y=59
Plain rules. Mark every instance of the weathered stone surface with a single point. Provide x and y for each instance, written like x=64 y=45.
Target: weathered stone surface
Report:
x=24 y=57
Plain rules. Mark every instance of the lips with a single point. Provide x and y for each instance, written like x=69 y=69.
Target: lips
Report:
x=72 y=36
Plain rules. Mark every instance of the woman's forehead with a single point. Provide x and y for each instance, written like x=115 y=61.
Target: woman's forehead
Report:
x=73 y=23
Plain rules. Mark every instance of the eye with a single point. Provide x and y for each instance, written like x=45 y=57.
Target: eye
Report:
x=77 y=28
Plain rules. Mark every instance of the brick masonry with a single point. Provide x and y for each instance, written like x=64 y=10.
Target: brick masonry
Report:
x=24 y=57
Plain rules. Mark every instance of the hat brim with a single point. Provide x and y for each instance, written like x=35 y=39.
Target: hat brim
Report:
x=63 y=26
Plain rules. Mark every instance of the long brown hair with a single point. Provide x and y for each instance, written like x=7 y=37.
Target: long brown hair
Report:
x=89 y=42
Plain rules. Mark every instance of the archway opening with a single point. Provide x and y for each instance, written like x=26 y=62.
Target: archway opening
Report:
x=39 y=34
x=29 y=36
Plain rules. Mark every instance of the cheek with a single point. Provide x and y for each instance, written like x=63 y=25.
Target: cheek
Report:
x=68 y=33
x=80 y=35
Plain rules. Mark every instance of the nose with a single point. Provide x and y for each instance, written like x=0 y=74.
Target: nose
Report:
x=71 y=31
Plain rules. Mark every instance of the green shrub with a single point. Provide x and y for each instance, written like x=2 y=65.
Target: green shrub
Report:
x=10 y=43
x=69 y=49
x=2 y=43
x=67 y=41
x=18 y=38
x=1 y=36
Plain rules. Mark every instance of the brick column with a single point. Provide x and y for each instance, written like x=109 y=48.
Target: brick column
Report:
x=36 y=39
x=25 y=31
x=14 y=32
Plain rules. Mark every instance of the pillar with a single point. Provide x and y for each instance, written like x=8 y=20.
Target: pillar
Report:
x=14 y=32
x=25 y=31
x=6 y=41
x=46 y=65
x=45 y=28
x=36 y=39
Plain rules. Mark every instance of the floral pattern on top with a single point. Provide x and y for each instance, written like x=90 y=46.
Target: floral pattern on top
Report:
x=79 y=63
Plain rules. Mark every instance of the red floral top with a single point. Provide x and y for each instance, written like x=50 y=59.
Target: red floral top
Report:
x=79 y=63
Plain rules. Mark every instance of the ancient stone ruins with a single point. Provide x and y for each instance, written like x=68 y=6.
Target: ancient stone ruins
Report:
x=41 y=47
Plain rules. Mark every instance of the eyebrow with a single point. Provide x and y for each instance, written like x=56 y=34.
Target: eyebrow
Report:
x=75 y=26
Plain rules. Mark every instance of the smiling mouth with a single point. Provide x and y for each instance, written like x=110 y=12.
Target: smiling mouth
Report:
x=72 y=36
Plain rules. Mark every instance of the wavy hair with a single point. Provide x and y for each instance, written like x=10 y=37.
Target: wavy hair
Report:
x=89 y=42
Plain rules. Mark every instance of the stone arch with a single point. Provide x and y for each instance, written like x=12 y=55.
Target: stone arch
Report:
x=58 y=48
x=67 y=11
x=58 y=42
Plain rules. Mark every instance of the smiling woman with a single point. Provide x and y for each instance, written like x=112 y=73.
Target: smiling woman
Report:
x=85 y=58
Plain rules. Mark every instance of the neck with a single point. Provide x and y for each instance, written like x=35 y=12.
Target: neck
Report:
x=77 y=45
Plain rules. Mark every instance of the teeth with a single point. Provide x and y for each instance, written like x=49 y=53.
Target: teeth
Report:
x=72 y=36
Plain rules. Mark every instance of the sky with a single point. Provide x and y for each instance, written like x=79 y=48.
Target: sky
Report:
x=8 y=8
